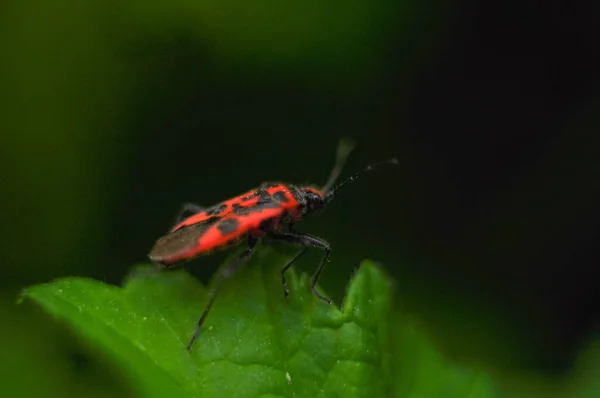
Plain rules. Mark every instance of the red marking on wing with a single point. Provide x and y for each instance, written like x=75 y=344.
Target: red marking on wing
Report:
x=248 y=223
x=227 y=209
x=291 y=206
x=201 y=233
x=278 y=187
x=193 y=219
x=202 y=238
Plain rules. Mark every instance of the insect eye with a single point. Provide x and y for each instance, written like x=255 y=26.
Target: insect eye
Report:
x=314 y=201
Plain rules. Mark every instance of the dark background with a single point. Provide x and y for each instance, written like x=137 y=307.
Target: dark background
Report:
x=115 y=114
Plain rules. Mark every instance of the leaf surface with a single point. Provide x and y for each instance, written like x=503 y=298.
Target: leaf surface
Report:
x=256 y=343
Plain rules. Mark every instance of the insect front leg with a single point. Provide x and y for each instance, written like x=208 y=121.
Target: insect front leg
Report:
x=305 y=240
x=224 y=274
x=286 y=290
x=186 y=208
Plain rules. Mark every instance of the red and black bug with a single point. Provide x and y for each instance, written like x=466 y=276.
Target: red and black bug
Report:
x=271 y=210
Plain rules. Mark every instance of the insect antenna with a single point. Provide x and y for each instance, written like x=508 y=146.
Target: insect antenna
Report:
x=344 y=149
x=331 y=193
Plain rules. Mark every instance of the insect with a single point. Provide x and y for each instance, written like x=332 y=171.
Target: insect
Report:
x=270 y=210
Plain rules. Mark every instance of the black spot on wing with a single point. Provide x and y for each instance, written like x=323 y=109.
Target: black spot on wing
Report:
x=228 y=226
x=216 y=209
x=263 y=196
x=243 y=211
x=280 y=197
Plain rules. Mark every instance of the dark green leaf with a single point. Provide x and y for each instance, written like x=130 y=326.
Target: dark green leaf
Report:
x=255 y=342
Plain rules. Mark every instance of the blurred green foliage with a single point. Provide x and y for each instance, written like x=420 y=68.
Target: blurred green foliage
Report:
x=73 y=73
x=43 y=358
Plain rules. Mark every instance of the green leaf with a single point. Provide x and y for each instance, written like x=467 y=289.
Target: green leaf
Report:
x=255 y=342
x=51 y=356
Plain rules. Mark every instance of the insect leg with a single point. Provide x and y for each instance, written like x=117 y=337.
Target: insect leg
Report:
x=286 y=291
x=305 y=240
x=186 y=208
x=224 y=274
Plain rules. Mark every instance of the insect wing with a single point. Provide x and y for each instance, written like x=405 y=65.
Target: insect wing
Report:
x=174 y=246
x=244 y=220
x=247 y=199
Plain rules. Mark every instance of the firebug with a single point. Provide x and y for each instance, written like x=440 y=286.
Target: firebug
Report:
x=270 y=210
